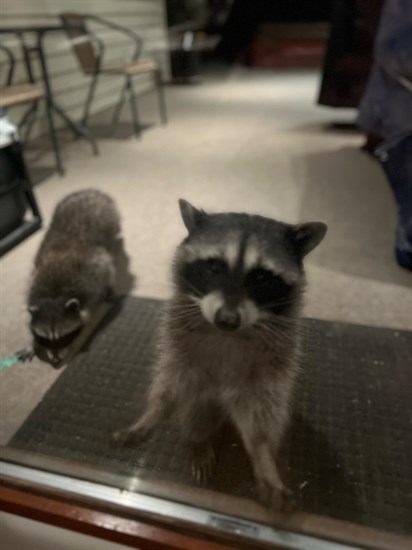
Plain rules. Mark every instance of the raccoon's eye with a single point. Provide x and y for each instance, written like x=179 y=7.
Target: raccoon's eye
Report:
x=33 y=310
x=72 y=305
x=215 y=267
x=261 y=277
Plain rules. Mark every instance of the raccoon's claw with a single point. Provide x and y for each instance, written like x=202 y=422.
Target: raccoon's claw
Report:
x=126 y=437
x=288 y=502
x=121 y=437
x=203 y=460
x=278 y=499
x=26 y=354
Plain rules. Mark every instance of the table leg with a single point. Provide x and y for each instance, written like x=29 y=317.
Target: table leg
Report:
x=28 y=120
x=49 y=105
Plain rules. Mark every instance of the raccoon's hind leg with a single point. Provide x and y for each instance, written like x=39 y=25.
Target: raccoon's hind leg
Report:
x=200 y=423
x=260 y=420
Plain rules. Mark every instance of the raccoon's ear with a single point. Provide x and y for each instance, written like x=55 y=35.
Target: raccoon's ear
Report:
x=33 y=310
x=309 y=235
x=192 y=217
x=72 y=305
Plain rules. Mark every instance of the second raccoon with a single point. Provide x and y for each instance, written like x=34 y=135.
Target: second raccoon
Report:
x=74 y=270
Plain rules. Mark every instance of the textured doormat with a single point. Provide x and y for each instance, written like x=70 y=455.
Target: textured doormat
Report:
x=347 y=453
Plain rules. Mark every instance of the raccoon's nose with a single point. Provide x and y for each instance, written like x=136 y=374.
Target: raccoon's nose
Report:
x=227 y=319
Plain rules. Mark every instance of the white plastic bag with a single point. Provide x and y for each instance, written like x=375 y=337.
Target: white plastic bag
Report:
x=9 y=132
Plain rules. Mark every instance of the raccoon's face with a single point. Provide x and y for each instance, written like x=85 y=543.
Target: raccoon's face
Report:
x=241 y=270
x=55 y=324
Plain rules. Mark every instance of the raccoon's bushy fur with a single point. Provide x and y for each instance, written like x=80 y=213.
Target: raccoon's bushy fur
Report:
x=229 y=345
x=74 y=267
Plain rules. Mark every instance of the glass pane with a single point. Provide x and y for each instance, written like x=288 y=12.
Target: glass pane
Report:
x=182 y=326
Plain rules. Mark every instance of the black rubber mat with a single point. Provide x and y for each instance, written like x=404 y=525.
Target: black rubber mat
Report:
x=348 y=453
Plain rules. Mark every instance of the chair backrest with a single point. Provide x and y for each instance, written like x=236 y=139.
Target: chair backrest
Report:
x=76 y=28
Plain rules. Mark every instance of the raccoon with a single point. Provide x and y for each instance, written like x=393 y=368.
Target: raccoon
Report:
x=74 y=270
x=229 y=345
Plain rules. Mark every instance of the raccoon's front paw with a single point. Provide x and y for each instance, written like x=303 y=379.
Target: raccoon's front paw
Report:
x=288 y=502
x=128 y=437
x=110 y=295
x=278 y=499
x=123 y=438
x=26 y=354
x=119 y=438
x=203 y=460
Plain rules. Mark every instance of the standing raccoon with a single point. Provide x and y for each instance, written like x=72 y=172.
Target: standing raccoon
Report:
x=74 y=270
x=230 y=339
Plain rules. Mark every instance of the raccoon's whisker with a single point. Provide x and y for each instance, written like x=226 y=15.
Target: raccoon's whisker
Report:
x=275 y=303
x=278 y=320
x=192 y=288
x=277 y=332
x=183 y=317
x=267 y=338
x=271 y=331
x=281 y=318
x=184 y=309
x=192 y=316
x=190 y=324
x=279 y=325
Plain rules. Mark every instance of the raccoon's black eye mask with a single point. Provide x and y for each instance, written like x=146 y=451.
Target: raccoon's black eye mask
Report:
x=203 y=276
x=267 y=289
x=260 y=284
x=60 y=343
x=214 y=266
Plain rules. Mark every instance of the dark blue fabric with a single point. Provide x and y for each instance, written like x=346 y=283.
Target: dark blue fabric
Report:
x=386 y=106
x=396 y=160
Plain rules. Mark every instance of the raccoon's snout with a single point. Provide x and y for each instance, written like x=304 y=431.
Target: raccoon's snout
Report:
x=228 y=315
x=54 y=360
x=227 y=319
x=54 y=357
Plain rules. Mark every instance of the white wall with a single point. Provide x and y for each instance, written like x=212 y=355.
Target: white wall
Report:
x=70 y=86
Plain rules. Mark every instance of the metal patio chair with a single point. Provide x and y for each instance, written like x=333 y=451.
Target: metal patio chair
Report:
x=89 y=50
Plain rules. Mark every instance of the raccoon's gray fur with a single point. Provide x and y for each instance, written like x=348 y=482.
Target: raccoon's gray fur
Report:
x=74 y=269
x=230 y=338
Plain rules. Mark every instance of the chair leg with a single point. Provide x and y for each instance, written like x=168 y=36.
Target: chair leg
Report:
x=118 y=108
x=133 y=107
x=161 y=95
x=89 y=99
x=78 y=129
x=53 y=137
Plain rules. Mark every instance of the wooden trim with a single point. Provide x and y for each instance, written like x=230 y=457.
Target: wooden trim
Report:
x=135 y=534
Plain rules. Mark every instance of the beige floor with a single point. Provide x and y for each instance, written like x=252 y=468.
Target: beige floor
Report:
x=251 y=142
